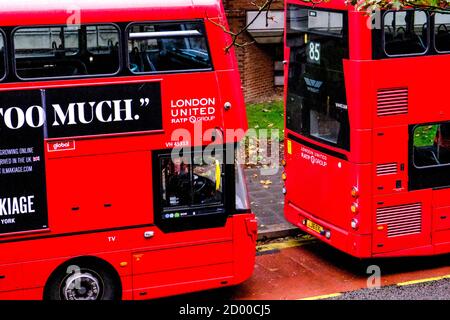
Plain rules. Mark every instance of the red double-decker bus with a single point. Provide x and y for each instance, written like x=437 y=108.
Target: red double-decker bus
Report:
x=367 y=152
x=94 y=201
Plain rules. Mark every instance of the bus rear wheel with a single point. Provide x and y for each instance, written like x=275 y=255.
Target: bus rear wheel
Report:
x=81 y=282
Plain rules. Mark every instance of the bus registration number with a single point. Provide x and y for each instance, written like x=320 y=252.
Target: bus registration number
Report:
x=314 y=226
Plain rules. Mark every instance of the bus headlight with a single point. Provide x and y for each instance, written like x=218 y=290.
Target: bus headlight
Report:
x=284 y=190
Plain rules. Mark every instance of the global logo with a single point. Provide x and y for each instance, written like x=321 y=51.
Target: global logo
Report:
x=61 y=146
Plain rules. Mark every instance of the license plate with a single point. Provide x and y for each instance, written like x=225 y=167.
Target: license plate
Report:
x=314 y=226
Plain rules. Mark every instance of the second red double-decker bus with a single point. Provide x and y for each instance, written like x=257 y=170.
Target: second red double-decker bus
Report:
x=367 y=128
x=94 y=201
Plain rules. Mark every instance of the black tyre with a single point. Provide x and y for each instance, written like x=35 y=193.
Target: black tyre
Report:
x=81 y=281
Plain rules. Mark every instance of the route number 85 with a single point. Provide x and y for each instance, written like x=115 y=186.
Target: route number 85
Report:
x=314 y=52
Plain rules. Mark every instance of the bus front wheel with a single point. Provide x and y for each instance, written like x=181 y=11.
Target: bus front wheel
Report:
x=81 y=281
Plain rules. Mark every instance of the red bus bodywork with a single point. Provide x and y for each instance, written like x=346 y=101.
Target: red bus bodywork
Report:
x=92 y=171
x=378 y=162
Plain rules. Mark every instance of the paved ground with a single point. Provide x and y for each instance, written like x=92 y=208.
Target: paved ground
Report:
x=430 y=290
x=303 y=268
x=267 y=201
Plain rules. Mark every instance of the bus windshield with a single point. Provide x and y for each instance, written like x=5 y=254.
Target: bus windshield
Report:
x=317 y=105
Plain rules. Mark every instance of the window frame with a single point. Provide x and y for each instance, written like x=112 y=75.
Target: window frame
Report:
x=414 y=128
x=212 y=216
x=127 y=39
x=89 y=76
x=416 y=174
x=191 y=206
x=434 y=34
x=383 y=35
x=6 y=55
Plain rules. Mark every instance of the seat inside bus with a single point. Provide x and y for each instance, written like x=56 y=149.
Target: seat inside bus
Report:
x=442 y=37
x=405 y=34
x=153 y=60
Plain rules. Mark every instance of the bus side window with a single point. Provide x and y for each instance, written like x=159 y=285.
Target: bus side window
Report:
x=405 y=32
x=432 y=145
x=442 y=32
x=430 y=157
x=66 y=51
x=2 y=57
x=168 y=47
x=425 y=147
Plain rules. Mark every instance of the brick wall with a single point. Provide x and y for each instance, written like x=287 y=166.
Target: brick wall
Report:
x=256 y=61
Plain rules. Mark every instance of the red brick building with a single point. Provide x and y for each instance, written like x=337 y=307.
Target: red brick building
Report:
x=261 y=61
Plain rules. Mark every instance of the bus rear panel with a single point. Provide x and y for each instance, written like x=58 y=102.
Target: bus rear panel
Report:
x=366 y=143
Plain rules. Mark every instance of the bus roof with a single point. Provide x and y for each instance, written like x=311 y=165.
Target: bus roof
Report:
x=32 y=12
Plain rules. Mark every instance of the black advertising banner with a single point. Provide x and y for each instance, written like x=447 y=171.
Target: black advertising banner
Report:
x=28 y=117
x=94 y=110
x=23 y=199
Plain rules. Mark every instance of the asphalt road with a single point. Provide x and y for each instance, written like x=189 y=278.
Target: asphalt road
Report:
x=430 y=290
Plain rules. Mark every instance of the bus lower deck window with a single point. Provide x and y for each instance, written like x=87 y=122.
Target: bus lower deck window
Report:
x=168 y=47
x=52 y=52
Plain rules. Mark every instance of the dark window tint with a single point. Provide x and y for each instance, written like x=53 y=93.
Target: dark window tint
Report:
x=66 y=51
x=406 y=32
x=432 y=145
x=317 y=104
x=430 y=156
x=176 y=182
x=442 y=31
x=314 y=21
x=168 y=47
x=2 y=56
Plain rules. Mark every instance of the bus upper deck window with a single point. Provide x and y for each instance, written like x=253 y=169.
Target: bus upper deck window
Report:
x=442 y=32
x=168 y=47
x=406 y=32
x=2 y=57
x=51 y=52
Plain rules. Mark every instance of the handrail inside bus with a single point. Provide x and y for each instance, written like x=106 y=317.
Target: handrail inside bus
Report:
x=163 y=34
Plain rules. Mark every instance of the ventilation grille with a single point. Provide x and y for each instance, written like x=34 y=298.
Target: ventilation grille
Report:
x=386 y=169
x=401 y=220
x=392 y=102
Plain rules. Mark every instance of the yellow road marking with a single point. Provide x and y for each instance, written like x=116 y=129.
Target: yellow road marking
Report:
x=325 y=296
x=284 y=245
x=408 y=283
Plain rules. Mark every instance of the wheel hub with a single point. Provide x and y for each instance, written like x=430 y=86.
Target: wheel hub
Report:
x=82 y=286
